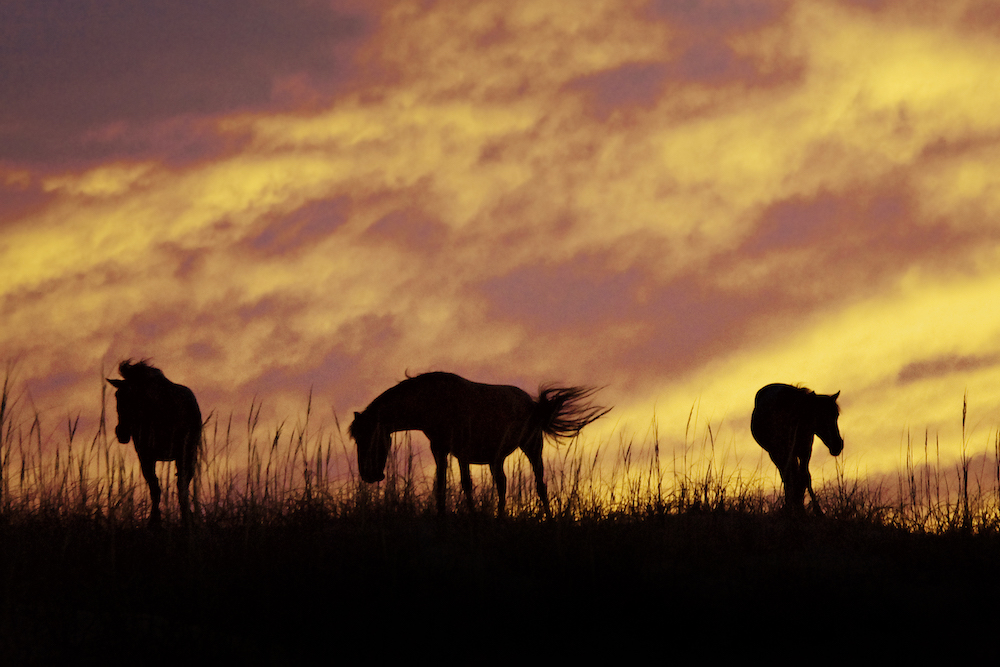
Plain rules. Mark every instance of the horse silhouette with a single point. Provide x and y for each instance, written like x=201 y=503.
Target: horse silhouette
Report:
x=474 y=422
x=164 y=422
x=784 y=421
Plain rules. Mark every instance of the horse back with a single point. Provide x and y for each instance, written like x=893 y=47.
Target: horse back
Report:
x=171 y=424
x=781 y=414
x=479 y=422
x=488 y=408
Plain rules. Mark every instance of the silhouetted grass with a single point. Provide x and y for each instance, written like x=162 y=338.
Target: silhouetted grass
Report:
x=292 y=557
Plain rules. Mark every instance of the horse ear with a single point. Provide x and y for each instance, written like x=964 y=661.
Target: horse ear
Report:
x=836 y=395
x=116 y=383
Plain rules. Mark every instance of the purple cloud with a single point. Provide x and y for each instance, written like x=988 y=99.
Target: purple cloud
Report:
x=578 y=294
x=302 y=228
x=712 y=62
x=409 y=229
x=696 y=321
x=705 y=59
x=70 y=69
x=945 y=365
x=632 y=84
x=857 y=241
x=21 y=200
x=720 y=15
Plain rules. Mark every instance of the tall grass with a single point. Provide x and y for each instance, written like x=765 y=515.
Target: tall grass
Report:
x=254 y=474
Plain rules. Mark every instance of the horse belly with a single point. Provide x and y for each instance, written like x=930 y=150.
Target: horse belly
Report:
x=768 y=425
x=159 y=449
x=488 y=424
x=483 y=443
x=776 y=424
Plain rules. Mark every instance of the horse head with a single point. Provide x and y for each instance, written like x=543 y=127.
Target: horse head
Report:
x=827 y=413
x=373 y=446
x=126 y=408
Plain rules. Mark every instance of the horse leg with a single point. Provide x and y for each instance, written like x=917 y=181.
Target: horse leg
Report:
x=440 y=478
x=795 y=491
x=148 y=468
x=785 y=465
x=803 y=452
x=463 y=467
x=184 y=474
x=804 y=472
x=534 y=454
x=500 y=481
x=812 y=495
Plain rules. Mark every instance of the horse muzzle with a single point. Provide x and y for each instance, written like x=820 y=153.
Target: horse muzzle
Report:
x=371 y=479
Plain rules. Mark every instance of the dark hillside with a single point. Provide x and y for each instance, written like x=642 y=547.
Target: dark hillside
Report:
x=308 y=587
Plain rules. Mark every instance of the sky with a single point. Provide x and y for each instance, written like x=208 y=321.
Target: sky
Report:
x=677 y=201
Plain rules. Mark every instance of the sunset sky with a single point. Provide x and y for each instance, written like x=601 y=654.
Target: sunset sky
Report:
x=678 y=200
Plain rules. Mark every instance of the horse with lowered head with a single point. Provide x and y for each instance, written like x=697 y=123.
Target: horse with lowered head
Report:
x=784 y=421
x=474 y=422
x=164 y=422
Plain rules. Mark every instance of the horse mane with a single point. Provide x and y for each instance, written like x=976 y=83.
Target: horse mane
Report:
x=806 y=391
x=140 y=371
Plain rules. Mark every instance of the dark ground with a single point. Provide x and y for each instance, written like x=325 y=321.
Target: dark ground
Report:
x=308 y=589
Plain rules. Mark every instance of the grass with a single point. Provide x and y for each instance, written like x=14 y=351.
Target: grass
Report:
x=293 y=558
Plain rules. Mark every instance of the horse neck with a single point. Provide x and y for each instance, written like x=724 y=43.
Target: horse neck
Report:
x=158 y=404
x=810 y=413
x=402 y=412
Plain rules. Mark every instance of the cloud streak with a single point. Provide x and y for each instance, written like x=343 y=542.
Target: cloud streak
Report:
x=80 y=76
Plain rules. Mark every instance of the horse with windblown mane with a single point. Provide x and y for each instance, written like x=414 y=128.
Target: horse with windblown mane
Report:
x=474 y=422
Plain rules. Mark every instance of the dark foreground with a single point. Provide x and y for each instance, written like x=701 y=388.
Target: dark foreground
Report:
x=466 y=588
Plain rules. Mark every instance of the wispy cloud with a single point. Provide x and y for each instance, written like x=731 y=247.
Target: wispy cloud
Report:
x=944 y=366
x=80 y=78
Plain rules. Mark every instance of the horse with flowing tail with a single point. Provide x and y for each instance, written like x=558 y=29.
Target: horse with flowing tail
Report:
x=784 y=421
x=164 y=422
x=474 y=422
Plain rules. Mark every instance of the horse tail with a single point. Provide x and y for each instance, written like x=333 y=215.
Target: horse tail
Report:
x=562 y=412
